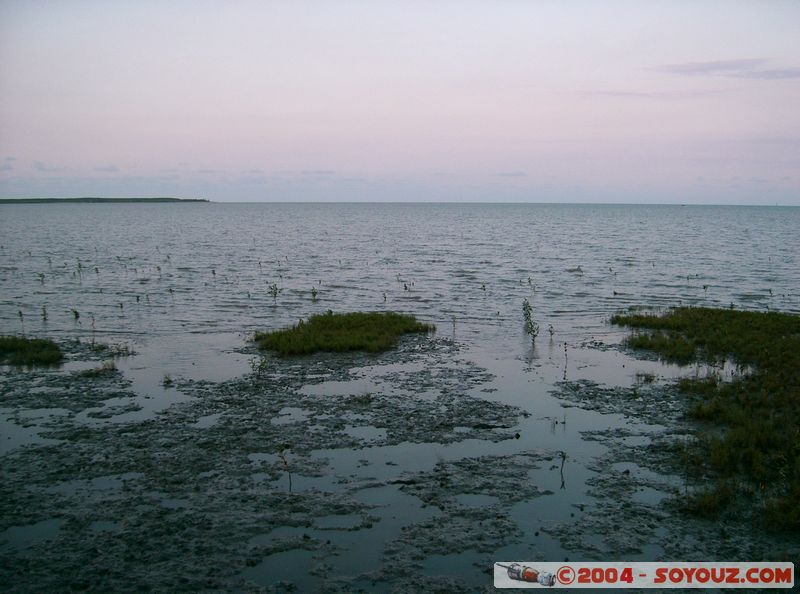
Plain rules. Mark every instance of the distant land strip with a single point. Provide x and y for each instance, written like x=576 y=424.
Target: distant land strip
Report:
x=93 y=200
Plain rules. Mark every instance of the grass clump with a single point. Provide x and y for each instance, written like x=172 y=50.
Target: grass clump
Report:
x=708 y=503
x=752 y=445
x=18 y=350
x=338 y=332
x=112 y=350
x=106 y=369
x=675 y=349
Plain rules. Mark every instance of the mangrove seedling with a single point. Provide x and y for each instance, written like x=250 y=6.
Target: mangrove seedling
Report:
x=531 y=327
x=361 y=400
x=259 y=366
x=313 y=293
x=75 y=314
x=44 y=313
x=282 y=456
x=273 y=290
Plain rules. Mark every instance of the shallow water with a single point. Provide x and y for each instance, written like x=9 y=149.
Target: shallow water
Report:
x=185 y=285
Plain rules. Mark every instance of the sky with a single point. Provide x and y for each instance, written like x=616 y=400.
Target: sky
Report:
x=374 y=100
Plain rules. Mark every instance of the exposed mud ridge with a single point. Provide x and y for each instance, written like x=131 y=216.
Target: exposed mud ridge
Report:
x=499 y=477
x=319 y=421
x=485 y=525
x=659 y=404
x=472 y=500
x=52 y=388
x=196 y=496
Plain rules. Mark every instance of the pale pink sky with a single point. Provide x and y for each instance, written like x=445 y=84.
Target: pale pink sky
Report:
x=637 y=101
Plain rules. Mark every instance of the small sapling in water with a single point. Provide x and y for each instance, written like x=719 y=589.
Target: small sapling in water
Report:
x=531 y=327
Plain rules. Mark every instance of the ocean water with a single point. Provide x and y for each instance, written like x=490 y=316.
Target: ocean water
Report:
x=185 y=285
x=208 y=267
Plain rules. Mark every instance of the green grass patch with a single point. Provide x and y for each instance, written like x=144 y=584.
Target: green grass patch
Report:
x=708 y=503
x=336 y=332
x=751 y=443
x=18 y=350
x=674 y=349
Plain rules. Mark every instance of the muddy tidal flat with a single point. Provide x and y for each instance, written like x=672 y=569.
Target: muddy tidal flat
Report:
x=166 y=452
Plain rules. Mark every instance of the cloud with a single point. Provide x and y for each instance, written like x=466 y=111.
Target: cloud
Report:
x=318 y=172
x=6 y=167
x=752 y=68
x=712 y=68
x=40 y=166
x=773 y=74
x=107 y=168
x=510 y=174
x=653 y=94
x=10 y=159
x=779 y=141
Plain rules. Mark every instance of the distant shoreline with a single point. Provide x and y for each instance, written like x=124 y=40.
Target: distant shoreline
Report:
x=93 y=200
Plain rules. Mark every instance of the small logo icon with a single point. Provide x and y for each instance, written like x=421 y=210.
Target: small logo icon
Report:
x=523 y=573
x=566 y=575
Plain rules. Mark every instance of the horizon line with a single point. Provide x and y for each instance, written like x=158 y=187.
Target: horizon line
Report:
x=54 y=200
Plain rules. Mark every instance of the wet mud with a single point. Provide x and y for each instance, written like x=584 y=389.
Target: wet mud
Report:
x=399 y=472
x=198 y=495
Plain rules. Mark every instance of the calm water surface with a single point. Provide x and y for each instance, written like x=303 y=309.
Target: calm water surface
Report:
x=207 y=267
